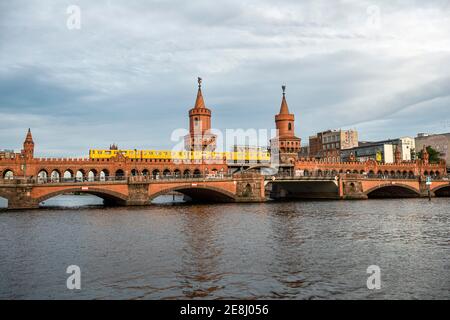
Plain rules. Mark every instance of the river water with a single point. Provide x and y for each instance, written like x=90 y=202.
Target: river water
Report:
x=287 y=250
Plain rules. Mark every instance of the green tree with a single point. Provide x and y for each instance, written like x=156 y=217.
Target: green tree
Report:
x=434 y=155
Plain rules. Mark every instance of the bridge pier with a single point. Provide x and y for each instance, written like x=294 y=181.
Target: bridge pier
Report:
x=352 y=190
x=425 y=192
x=137 y=194
x=250 y=188
x=19 y=198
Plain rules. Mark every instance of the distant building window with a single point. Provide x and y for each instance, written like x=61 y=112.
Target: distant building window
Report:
x=289 y=126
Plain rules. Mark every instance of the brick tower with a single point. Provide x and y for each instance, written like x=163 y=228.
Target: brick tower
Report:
x=286 y=142
x=28 y=146
x=200 y=138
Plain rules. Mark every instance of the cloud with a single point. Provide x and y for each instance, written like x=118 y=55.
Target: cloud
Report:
x=128 y=76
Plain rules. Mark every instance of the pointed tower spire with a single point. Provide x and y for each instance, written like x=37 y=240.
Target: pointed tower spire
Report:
x=284 y=107
x=29 y=137
x=199 y=103
x=200 y=137
x=28 y=146
x=287 y=144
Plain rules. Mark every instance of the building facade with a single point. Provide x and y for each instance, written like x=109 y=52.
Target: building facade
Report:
x=377 y=151
x=382 y=151
x=439 y=142
x=328 y=144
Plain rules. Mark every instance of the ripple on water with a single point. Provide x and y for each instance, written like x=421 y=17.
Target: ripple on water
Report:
x=289 y=250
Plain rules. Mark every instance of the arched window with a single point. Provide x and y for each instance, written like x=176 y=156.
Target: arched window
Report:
x=8 y=175
x=68 y=175
x=289 y=126
x=248 y=190
x=119 y=174
x=79 y=175
x=55 y=176
x=91 y=175
x=42 y=176
x=104 y=175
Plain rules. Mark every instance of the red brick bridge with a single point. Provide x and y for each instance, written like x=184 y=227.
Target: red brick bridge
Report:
x=135 y=191
x=355 y=186
x=138 y=191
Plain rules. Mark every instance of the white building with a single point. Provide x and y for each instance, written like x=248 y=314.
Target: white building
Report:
x=407 y=146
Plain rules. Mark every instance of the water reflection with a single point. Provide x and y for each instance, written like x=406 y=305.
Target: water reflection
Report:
x=200 y=253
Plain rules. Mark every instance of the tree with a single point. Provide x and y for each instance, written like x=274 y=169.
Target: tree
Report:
x=434 y=156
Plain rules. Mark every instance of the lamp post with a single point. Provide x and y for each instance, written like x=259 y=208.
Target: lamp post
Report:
x=428 y=183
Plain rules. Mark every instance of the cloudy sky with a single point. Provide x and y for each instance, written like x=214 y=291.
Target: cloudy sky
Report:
x=128 y=75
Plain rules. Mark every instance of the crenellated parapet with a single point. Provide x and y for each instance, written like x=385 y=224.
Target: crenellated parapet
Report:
x=371 y=167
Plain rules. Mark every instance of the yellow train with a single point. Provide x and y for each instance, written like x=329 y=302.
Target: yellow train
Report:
x=247 y=156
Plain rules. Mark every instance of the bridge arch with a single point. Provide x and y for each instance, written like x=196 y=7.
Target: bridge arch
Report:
x=80 y=174
x=119 y=174
x=68 y=175
x=5 y=195
x=8 y=174
x=3 y=202
x=55 y=176
x=92 y=174
x=199 y=193
x=42 y=176
x=392 y=191
x=108 y=196
x=103 y=175
x=442 y=191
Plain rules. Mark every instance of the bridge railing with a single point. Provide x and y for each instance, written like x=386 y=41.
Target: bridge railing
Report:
x=202 y=177
x=199 y=177
x=306 y=178
x=105 y=179
x=350 y=176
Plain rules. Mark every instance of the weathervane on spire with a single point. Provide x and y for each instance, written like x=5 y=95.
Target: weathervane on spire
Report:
x=284 y=89
x=199 y=82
